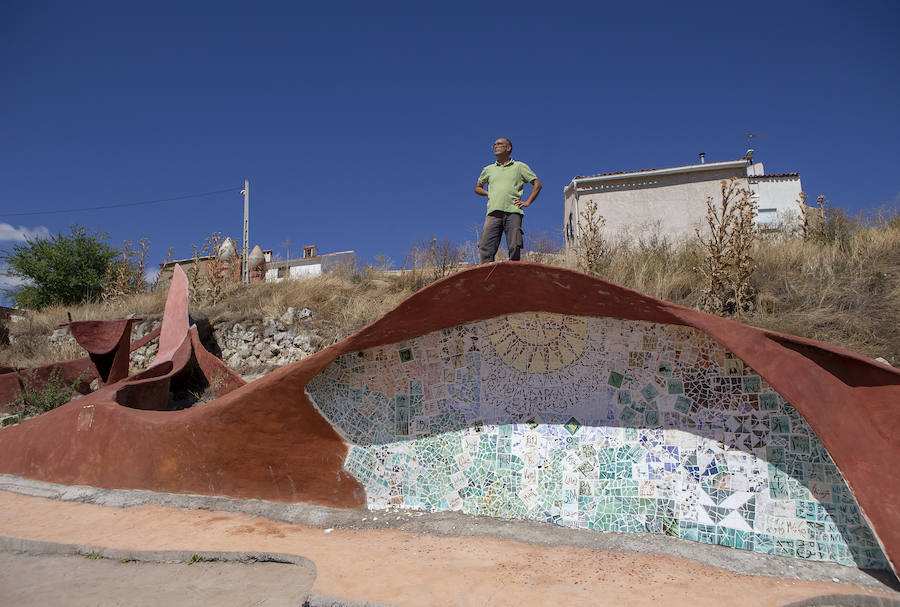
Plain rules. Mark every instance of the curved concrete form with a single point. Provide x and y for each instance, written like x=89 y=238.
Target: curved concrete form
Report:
x=70 y=370
x=507 y=367
x=107 y=343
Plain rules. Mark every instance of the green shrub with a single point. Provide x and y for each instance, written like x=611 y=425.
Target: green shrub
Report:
x=62 y=269
x=33 y=401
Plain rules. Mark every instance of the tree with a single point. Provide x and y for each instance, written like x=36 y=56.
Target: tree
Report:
x=62 y=269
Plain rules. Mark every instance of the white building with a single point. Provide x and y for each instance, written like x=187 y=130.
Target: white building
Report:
x=672 y=201
x=311 y=264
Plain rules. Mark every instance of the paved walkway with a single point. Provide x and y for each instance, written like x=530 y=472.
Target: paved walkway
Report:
x=463 y=566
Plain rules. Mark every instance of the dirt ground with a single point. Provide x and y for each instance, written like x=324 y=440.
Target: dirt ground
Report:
x=378 y=565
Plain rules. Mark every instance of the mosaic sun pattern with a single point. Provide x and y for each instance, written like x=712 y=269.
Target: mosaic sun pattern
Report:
x=593 y=423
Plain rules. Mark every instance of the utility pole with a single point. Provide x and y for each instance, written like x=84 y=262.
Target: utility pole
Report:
x=245 y=270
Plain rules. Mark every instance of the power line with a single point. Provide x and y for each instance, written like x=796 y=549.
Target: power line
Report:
x=120 y=205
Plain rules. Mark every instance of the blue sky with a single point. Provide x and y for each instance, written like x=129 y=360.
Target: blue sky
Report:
x=365 y=125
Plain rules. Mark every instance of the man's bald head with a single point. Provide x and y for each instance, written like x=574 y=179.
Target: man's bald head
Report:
x=502 y=147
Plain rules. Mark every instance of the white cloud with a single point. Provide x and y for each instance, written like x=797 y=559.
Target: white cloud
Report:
x=7 y=282
x=151 y=275
x=22 y=233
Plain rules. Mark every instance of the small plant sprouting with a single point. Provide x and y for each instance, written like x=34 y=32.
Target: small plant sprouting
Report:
x=195 y=558
x=93 y=556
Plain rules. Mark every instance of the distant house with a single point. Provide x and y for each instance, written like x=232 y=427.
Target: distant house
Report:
x=311 y=264
x=166 y=269
x=672 y=201
x=275 y=270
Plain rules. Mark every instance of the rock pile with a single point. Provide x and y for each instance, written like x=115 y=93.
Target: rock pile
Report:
x=255 y=348
x=251 y=348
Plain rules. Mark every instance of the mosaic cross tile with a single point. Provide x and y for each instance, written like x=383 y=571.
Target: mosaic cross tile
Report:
x=594 y=423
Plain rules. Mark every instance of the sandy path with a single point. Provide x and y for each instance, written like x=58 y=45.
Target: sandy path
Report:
x=402 y=568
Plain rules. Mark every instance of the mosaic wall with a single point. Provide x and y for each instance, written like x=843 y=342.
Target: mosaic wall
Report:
x=593 y=423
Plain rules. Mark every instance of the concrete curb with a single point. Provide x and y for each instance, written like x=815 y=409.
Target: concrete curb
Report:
x=37 y=548
x=846 y=600
x=322 y=600
x=18 y=545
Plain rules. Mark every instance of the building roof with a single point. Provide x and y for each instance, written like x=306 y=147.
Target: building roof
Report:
x=314 y=259
x=774 y=175
x=688 y=168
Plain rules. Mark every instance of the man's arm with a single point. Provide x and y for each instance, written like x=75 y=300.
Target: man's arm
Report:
x=535 y=190
x=479 y=189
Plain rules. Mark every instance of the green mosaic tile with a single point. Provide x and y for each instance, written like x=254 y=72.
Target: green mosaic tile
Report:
x=751 y=384
x=573 y=425
x=624 y=439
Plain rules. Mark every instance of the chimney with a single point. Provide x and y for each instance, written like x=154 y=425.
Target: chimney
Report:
x=702 y=157
x=310 y=251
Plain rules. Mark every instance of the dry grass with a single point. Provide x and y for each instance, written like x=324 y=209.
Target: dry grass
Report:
x=30 y=346
x=343 y=301
x=846 y=292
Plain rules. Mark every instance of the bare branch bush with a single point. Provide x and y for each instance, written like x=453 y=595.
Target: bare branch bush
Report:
x=208 y=276
x=835 y=227
x=592 y=252
x=125 y=275
x=193 y=274
x=431 y=260
x=728 y=262
x=170 y=253
x=384 y=263
x=806 y=216
x=216 y=274
x=544 y=247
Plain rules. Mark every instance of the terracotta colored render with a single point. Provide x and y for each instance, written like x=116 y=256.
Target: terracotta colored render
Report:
x=11 y=386
x=107 y=343
x=265 y=440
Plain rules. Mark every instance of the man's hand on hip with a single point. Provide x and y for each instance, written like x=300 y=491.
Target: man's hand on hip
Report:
x=521 y=203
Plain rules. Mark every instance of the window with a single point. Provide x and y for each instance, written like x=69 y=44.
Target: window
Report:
x=767 y=218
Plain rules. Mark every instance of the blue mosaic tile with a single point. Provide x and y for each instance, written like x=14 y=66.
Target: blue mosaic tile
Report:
x=592 y=423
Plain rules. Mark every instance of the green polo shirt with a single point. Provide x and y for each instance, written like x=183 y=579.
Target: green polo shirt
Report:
x=505 y=184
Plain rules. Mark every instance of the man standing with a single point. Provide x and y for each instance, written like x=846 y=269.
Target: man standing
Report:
x=505 y=180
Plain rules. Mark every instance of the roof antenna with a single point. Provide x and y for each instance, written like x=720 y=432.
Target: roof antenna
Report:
x=750 y=138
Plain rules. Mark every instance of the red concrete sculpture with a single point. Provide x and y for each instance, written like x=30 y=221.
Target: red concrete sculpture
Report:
x=107 y=343
x=107 y=358
x=70 y=371
x=179 y=344
x=266 y=440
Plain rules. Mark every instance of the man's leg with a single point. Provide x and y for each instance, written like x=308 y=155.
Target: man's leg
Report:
x=514 y=235
x=490 y=238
